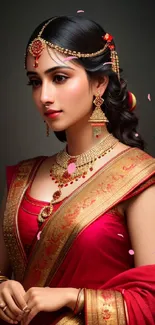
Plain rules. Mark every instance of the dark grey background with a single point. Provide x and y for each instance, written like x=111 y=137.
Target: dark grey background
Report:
x=132 y=23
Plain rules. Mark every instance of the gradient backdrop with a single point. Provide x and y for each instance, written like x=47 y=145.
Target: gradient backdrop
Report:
x=132 y=23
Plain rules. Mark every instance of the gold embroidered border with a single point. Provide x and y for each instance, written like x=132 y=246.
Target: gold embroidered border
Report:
x=16 y=192
x=104 y=307
x=71 y=319
x=121 y=314
x=104 y=190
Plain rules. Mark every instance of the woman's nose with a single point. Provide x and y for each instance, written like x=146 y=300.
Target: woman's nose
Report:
x=47 y=94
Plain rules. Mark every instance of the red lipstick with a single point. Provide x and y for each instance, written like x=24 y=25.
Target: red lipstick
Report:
x=51 y=113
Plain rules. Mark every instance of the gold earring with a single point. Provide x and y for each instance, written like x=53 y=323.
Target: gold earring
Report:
x=98 y=118
x=47 y=129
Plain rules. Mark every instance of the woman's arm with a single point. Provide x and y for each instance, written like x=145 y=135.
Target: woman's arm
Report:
x=141 y=224
x=138 y=292
x=5 y=268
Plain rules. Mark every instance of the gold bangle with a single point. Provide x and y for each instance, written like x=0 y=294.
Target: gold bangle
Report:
x=3 y=278
x=79 y=302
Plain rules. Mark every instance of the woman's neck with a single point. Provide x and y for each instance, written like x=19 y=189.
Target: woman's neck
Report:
x=79 y=140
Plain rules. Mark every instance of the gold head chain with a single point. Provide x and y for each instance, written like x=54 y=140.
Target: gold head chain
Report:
x=37 y=46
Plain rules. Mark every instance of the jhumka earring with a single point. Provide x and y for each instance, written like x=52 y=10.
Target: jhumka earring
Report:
x=47 y=129
x=98 y=118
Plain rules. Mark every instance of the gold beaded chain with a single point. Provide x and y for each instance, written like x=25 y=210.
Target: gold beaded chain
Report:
x=66 y=169
x=83 y=162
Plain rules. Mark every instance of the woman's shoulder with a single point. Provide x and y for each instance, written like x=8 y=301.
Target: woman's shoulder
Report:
x=12 y=169
x=144 y=165
x=139 y=159
x=15 y=166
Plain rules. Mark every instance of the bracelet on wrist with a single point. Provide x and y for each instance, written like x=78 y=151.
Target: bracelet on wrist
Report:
x=3 y=278
x=79 y=302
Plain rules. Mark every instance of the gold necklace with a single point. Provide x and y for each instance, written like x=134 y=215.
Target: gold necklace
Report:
x=66 y=169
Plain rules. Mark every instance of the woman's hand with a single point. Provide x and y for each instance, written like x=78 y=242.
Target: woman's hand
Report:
x=48 y=300
x=12 y=301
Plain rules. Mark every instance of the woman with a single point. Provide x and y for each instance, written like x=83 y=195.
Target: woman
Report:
x=76 y=235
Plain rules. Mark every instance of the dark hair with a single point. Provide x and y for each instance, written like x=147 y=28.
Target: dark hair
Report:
x=79 y=34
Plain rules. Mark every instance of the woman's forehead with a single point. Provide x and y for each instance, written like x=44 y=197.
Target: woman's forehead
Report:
x=50 y=58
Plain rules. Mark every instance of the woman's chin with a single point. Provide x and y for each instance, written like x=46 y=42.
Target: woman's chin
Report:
x=57 y=129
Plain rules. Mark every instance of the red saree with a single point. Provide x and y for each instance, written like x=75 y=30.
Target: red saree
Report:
x=85 y=244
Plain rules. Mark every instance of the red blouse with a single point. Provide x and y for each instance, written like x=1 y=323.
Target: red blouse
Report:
x=106 y=239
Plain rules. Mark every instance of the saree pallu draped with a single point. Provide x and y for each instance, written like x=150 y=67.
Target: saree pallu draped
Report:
x=75 y=227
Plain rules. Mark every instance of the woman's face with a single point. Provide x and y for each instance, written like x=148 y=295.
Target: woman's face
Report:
x=61 y=90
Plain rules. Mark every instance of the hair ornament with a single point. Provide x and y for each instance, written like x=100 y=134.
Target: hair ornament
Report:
x=131 y=101
x=114 y=56
x=36 y=49
x=37 y=46
x=107 y=37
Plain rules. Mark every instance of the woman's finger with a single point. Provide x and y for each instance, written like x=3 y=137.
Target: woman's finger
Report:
x=6 y=318
x=29 y=316
x=20 y=300
x=12 y=316
x=18 y=295
x=13 y=310
x=32 y=310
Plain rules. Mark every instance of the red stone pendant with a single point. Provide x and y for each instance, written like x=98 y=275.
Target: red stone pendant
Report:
x=56 y=195
x=66 y=175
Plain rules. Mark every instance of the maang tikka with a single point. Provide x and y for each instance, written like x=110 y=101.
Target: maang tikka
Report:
x=98 y=118
x=37 y=46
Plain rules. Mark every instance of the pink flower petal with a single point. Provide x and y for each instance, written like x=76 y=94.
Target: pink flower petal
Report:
x=120 y=235
x=107 y=63
x=71 y=168
x=149 y=97
x=131 y=252
x=69 y=58
x=136 y=135
x=80 y=11
x=38 y=235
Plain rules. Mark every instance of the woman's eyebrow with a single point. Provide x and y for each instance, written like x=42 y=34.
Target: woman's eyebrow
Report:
x=50 y=70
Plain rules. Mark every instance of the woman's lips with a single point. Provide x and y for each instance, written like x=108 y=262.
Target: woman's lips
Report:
x=52 y=114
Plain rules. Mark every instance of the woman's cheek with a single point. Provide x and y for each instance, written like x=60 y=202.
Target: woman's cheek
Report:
x=76 y=87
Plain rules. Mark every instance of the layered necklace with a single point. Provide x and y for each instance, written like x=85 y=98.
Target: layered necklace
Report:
x=68 y=169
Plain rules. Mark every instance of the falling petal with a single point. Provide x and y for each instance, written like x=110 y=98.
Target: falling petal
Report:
x=120 y=235
x=131 y=252
x=149 y=97
x=71 y=168
x=38 y=235
x=69 y=58
x=107 y=63
x=80 y=11
x=136 y=135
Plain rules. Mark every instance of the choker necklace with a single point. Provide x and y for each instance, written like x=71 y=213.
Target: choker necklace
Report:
x=67 y=169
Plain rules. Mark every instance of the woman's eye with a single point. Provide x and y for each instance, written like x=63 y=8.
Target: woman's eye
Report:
x=59 y=78
x=34 y=83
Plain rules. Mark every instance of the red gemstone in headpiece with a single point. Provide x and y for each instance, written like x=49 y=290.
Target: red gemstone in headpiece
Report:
x=107 y=37
x=37 y=47
x=111 y=47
